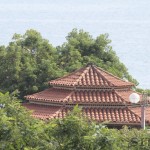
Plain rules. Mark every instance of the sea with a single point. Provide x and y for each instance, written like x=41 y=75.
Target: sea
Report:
x=127 y=23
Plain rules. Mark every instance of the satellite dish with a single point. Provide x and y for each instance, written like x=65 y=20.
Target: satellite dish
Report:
x=134 y=98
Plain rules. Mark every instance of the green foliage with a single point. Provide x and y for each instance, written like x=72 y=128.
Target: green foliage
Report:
x=147 y=91
x=81 y=49
x=29 y=61
x=76 y=133
x=19 y=131
x=134 y=139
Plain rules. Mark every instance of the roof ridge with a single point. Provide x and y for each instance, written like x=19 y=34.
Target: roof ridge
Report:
x=65 y=99
x=90 y=75
x=102 y=75
x=112 y=74
x=120 y=96
x=57 y=112
x=146 y=120
x=134 y=113
x=82 y=74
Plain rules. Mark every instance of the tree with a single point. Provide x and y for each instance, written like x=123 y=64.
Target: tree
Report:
x=27 y=63
x=75 y=132
x=18 y=130
x=81 y=49
x=133 y=139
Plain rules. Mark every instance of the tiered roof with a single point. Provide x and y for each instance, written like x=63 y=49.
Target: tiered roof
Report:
x=90 y=76
x=50 y=95
x=103 y=97
x=42 y=111
x=109 y=114
x=78 y=97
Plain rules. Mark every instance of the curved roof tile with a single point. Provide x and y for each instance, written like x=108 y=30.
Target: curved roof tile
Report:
x=90 y=76
x=109 y=115
x=80 y=96
x=50 y=95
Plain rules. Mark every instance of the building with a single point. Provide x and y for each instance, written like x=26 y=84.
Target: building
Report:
x=102 y=96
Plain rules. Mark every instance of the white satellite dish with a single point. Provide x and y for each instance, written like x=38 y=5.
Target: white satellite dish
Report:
x=134 y=98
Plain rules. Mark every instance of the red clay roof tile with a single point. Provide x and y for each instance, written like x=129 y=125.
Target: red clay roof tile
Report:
x=126 y=93
x=90 y=76
x=137 y=110
x=92 y=88
x=110 y=115
x=95 y=97
x=50 y=95
x=80 y=96
x=42 y=111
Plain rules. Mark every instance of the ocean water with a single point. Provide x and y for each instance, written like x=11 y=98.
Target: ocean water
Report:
x=126 y=22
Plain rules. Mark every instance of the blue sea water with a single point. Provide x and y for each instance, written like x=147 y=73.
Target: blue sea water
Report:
x=127 y=23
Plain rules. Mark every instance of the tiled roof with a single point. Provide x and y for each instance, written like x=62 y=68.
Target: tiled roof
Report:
x=103 y=97
x=50 y=95
x=69 y=80
x=126 y=93
x=42 y=111
x=137 y=110
x=116 y=81
x=80 y=96
x=114 y=115
x=95 y=97
x=109 y=115
x=90 y=76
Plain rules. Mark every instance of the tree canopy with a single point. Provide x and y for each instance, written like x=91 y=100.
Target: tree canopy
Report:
x=27 y=63
x=80 y=48
x=19 y=131
x=29 y=60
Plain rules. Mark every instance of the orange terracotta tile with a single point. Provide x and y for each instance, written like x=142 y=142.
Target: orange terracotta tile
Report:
x=90 y=76
x=104 y=97
x=119 y=115
x=50 y=95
